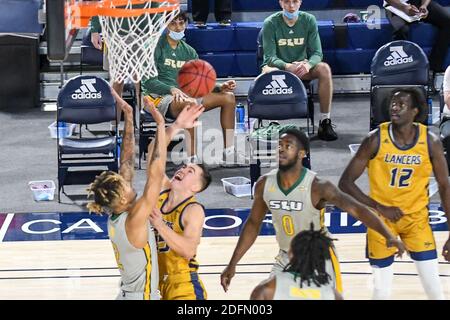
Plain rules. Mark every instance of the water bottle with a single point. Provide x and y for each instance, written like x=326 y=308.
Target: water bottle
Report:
x=119 y=145
x=430 y=111
x=240 y=117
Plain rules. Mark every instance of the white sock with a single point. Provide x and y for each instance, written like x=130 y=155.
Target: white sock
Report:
x=429 y=276
x=382 y=282
x=324 y=116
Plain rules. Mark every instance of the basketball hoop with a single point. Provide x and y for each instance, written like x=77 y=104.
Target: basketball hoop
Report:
x=130 y=29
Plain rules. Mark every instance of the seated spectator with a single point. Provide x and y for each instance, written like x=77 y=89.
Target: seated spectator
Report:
x=222 y=12
x=291 y=42
x=430 y=12
x=170 y=54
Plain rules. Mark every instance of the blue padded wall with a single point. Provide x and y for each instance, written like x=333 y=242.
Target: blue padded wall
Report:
x=246 y=34
x=315 y=4
x=329 y=56
x=364 y=3
x=214 y=38
x=223 y=63
x=245 y=64
x=423 y=34
x=326 y=33
x=446 y=63
x=360 y=36
x=256 y=5
x=349 y=61
x=273 y=5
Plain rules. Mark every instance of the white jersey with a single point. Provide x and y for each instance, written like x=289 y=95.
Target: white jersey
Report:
x=287 y=287
x=292 y=210
x=138 y=267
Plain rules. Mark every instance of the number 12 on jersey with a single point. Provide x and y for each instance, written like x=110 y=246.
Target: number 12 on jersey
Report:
x=400 y=178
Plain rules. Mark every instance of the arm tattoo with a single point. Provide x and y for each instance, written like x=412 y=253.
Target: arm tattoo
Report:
x=127 y=152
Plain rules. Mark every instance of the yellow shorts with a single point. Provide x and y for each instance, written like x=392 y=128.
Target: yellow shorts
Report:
x=415 y=232
x=182 y=287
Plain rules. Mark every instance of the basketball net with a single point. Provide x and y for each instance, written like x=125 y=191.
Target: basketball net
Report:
x=131 y=40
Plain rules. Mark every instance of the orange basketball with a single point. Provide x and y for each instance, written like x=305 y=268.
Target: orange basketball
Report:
x=196 y=78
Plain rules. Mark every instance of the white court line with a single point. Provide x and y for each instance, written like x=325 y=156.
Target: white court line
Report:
x=5 y=226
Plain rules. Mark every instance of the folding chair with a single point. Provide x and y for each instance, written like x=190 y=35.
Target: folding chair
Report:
x=306 y=83
x=85 y=100
x=278 y=95
x=397 y=64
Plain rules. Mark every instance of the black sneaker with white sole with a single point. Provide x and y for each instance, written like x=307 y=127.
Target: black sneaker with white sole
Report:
x=326 y=130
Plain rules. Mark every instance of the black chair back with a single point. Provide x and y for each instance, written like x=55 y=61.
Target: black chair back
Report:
x=278 y=95
x=86 y=100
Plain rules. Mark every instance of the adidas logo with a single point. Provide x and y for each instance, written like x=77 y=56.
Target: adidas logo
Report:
x=398 y=56
x=277 y=86
x=87 y=90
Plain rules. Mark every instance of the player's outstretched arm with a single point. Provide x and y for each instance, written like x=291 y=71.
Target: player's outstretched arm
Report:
x=355 y=169
x=127 y=148
x=136 y=224
x=440 y=171
x=328 y=192
x=248 y=234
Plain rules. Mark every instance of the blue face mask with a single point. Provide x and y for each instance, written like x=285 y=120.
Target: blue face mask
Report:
x=177 y=36
x=291 y=16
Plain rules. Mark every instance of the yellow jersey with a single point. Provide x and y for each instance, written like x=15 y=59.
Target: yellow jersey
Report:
x=170 y=262
x=399 y=176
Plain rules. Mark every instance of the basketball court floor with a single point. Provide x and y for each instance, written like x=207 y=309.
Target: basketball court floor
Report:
x=86 y=269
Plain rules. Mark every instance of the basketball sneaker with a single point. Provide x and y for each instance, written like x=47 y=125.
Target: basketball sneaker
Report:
x=200 y=24
x=225 y=23
x=326 y=130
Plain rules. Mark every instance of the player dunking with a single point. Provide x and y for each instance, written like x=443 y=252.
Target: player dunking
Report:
x=400 y=156
x=179 y=223
x=296 y=198
x=307 y=275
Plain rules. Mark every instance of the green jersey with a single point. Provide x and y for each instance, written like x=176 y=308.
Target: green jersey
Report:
x=168 y=62
x=283 y=44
